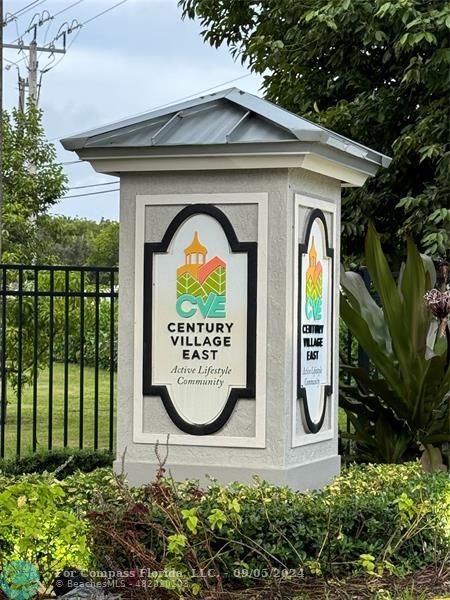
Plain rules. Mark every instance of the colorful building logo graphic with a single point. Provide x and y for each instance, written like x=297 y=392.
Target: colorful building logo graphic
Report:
x=314 y=286
x=201 y=285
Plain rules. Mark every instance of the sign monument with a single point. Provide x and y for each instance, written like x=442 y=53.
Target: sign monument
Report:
x=228 y=299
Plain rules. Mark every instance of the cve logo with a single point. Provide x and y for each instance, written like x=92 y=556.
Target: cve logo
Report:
x=201 y=284
x=314 y=286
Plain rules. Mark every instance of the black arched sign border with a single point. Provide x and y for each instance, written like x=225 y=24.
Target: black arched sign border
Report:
x=249 y=248
x=328 y=388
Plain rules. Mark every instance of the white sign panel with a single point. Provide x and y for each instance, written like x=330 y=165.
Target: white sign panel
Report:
x=315 y=321
x=200 y=349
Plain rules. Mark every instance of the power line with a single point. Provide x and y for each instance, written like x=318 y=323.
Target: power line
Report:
x=71 y=28
x=69 y=162
x=67 y=8
x=10 y=61
x=44 y=19
x=81 y=187
x=53 y=65
x=13 y=16
x=103 y=12
x=90 y=194
x=25 y=7
x=195 y=94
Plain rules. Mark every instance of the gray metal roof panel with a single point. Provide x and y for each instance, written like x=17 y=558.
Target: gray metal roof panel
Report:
x=208 y=125
x=230 y=116
x=133 y=135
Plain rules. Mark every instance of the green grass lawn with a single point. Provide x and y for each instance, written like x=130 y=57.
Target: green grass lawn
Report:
x=73 y=412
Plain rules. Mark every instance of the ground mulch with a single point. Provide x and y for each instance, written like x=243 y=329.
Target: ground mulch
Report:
x=432 y=583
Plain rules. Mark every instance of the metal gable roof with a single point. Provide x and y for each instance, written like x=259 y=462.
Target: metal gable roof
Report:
x=227 y=118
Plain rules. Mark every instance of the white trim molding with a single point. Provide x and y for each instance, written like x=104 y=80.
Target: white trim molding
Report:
x=330 y=423
x=217 y=440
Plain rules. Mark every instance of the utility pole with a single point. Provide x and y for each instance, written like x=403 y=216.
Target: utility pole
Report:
x=33 y=71
x=2 y=350
x=22 y=86
x=1 y=126
x=32 y=81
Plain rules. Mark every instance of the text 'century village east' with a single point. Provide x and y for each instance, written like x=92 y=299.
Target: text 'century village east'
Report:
x=194 y=345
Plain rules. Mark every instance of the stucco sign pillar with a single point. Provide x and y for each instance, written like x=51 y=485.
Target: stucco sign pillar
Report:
x=228 y=300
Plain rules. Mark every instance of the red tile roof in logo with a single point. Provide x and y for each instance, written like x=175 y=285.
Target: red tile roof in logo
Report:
x=207 y=269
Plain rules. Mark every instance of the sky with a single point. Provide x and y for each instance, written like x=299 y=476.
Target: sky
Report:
x=138 y=56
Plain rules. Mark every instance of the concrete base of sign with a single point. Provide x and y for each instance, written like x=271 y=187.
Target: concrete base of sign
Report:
x=310 y=476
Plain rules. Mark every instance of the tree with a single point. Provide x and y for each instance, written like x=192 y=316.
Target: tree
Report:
x=69 y=240
x=32 y=182
x=376 y=71
x=105 y=252
x=72 y=241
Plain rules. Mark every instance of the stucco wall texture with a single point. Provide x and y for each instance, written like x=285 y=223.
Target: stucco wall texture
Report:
x=306 y=466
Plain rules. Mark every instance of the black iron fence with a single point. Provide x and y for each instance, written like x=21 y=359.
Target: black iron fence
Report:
x=58 y=357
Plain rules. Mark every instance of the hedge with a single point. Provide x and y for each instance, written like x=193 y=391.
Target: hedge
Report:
x=184 y=540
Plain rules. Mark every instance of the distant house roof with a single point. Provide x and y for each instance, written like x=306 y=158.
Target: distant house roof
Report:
x=227 y=122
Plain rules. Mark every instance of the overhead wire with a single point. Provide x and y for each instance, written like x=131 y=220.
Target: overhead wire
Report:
x=82 y=187
x=96 y=16
x=195 y=94
x=50 y=18
x=71 y=29
x=13 y=16
x=67 y=8
x=22 y=11
x=11 y=61
x=55 y=64
x=24 y=7
x=104 y=12
x=90 y=194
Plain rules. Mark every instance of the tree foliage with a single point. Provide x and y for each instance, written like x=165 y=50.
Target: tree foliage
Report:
x=32 y=182
x=376 y=71
x=73 y=241
x=105 y=250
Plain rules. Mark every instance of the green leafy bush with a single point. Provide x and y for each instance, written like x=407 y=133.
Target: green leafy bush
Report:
x=405 y=405
x=72 y=460
x=36 y=526
x=374 y=519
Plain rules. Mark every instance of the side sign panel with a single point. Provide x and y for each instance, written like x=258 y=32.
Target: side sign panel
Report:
x=315 y=321
x=200 y=319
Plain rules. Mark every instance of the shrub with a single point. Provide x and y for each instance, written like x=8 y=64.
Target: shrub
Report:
x=36 y=526
x=72 y=460
x=404 y=406
x=373 y=519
